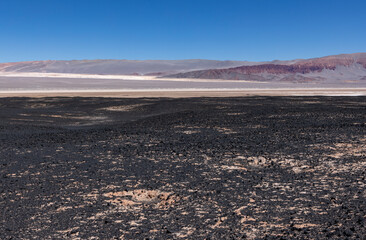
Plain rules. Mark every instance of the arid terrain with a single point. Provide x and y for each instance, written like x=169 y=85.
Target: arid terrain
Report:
x=335 y=69
x=258 y=167
x=331 y=69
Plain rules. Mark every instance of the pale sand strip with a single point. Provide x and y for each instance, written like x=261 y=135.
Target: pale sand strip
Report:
x=180 y=93
x=121 y=77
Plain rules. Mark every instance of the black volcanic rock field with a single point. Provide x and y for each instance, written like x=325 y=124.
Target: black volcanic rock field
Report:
x=194 y=168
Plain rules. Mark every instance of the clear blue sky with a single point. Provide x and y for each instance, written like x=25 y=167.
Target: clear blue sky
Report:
x=180 y=29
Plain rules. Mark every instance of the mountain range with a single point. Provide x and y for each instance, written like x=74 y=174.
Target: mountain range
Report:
x=344 y=67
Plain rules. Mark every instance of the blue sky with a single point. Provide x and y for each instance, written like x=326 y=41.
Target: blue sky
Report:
x=180 y=29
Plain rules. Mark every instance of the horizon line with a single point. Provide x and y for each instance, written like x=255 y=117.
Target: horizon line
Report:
x=184 y=59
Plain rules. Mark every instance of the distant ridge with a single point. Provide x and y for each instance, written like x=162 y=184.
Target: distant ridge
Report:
x=343 y=67
x=119 y=67
x=337 y=67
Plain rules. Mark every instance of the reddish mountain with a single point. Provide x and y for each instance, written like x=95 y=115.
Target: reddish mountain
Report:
x=309 y=69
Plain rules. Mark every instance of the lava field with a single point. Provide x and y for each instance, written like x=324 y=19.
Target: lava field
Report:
x=188 y=168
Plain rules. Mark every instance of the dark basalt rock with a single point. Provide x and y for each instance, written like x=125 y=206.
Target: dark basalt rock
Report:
x=214 y=168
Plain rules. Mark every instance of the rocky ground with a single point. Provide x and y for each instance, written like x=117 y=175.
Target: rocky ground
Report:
x=199 y=168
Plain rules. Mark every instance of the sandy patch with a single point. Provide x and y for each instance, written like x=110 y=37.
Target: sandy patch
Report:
x=124 y=108
x=226 y=167
x=225 y=130
x=185 y=232
x=139 y=197
x=183 y=93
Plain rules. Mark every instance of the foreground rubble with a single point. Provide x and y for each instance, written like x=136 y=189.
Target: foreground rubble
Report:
x=214 y=168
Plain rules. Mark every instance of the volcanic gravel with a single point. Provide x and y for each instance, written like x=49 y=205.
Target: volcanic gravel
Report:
x=197 y=168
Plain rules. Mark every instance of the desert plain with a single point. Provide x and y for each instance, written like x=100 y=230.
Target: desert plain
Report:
x=178 y=150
